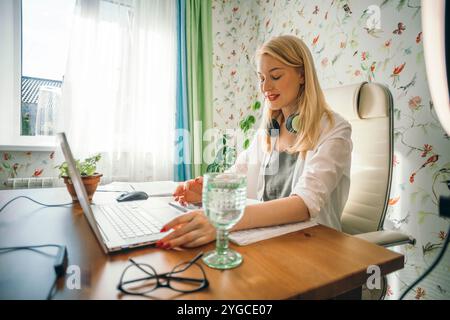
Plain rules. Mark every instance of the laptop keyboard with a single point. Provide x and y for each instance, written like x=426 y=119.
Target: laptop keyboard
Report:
x=131 y=221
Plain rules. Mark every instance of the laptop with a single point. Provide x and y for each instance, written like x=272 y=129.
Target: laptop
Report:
x=120 y=226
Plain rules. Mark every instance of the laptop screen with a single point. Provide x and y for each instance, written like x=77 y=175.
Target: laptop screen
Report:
x=79 y=187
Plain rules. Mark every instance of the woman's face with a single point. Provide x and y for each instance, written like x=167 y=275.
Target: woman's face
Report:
x=279 y=82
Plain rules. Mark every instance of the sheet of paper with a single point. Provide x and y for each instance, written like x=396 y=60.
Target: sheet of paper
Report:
x=190 y=207
x=156 y=187
x=245 y=237
x=116 y=187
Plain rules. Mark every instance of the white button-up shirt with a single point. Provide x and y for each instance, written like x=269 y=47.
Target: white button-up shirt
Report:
x=322 y=179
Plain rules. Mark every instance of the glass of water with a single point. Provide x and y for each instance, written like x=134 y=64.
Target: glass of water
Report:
x=224 y=196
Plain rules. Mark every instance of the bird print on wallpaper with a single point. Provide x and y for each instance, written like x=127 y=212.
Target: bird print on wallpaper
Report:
x=400 y=28
x=347 y=9
x=430 y=161
x=419 y=37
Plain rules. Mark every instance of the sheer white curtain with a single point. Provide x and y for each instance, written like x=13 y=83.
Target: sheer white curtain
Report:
x=119 y=88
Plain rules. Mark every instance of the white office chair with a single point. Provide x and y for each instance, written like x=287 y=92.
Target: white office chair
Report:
x=368 y=108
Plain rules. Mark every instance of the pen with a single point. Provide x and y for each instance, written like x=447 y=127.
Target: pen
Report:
x=178 y=207
x=161 y=195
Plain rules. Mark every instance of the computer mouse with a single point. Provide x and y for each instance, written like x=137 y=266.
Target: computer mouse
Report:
x=132 y=196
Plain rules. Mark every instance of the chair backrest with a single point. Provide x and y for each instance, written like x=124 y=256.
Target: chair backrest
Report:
x=368 y=108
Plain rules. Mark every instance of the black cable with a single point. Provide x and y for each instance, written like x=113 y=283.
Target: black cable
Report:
x=435 y=263
x=6 y=250
x=60 y=264
x=42 y=204
x=31 y=247
x=50 y=293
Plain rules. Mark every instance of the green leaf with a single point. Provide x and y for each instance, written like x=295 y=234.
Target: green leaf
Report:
x=210 y=167
x=251 y=120
x=86 y=168
x=242 y=124
x=246 y=143
x=256 y=106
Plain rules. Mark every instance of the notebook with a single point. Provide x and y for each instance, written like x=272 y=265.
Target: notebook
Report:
x=249 y=236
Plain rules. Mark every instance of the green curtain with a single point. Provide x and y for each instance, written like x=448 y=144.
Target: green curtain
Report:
x=199 y=71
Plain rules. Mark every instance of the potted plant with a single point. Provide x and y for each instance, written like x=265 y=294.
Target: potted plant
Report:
x=226 y=154
x=225 y=157
x=89 y=176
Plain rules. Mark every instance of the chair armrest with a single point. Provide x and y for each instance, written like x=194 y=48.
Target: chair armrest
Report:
x=386 y=238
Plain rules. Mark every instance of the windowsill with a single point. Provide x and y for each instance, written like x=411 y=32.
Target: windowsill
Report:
x=27 y=148
x=30 y=143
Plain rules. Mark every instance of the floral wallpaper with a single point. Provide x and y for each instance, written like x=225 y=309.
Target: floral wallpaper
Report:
x=354 y=41
x=18 y=164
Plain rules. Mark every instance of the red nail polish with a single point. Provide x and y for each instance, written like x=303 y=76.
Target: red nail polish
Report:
x=163 y=229
x=166 y=246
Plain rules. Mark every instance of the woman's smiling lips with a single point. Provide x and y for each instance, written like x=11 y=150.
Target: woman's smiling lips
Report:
x=272 y=97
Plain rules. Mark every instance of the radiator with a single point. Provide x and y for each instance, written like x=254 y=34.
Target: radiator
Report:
x=29 y=183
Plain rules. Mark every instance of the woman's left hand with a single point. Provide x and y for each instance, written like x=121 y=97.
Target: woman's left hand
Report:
x=191 y=229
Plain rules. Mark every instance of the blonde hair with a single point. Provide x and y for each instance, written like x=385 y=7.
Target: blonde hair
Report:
x=293 y=52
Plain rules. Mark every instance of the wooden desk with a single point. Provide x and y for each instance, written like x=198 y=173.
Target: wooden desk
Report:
x=316 y=263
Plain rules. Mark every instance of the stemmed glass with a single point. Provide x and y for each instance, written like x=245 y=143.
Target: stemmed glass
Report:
x=224 y=196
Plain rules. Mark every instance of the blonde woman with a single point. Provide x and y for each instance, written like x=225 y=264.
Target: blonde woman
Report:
x=299 y=165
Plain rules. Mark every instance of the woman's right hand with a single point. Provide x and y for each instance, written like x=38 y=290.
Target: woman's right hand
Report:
x=189 y=191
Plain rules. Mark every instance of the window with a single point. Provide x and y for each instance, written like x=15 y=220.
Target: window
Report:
x=46 y=29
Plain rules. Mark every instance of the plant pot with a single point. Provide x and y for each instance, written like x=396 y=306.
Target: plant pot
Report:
x=90 y=184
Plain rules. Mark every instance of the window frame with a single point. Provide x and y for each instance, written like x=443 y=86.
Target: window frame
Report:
x=17 y=140
x=11 y=138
